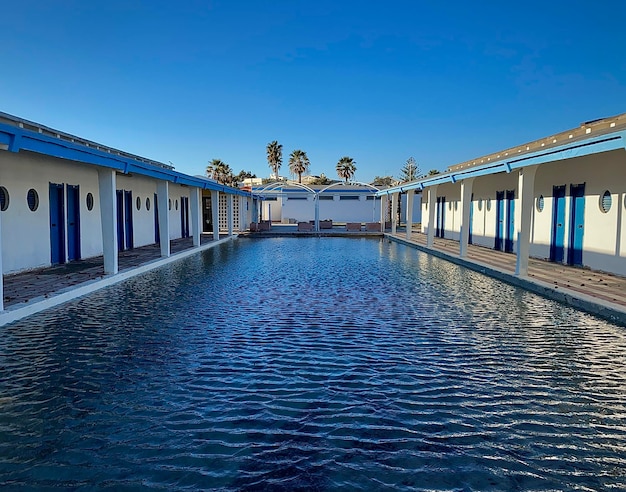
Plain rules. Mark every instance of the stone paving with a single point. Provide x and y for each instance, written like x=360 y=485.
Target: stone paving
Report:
x=43 y=282
x=606 y=287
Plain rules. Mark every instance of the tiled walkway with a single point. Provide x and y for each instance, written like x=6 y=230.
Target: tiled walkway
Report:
x=582 y=282
x=43 y=282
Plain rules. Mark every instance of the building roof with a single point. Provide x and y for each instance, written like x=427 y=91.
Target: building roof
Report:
x=17 y=134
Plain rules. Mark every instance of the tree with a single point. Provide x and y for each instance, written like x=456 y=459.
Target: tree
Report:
x=220 y=172
x=433 y=172
x=321 y=180
x=298 y=163
x=274 y=156
x=238 y=178
x=383 y=181
x=410 y=171
x=346 y=167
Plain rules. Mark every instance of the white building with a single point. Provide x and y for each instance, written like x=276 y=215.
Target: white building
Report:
x=560 y=198
x=64 y=198
x=339 y=202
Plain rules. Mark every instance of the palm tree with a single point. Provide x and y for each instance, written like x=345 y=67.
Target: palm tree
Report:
x=298 y=163
x=274 y=156
x=219 y=171
x=346 y=167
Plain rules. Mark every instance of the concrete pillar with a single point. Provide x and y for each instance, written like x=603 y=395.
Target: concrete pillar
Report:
x=409 y=213
x=523 y=217
x=108 y=219
x=196 y=214
x=466 y=203
x=316 y=197
x=215 y=211
x=163 y=197
x=432 y=203
x=229 y=212
x=383 y=202
x=394 y=208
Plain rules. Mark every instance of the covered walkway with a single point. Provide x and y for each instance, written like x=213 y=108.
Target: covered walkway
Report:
x=600 y=293
x=30 y=287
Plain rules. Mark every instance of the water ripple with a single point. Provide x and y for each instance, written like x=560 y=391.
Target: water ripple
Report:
x=318 y=364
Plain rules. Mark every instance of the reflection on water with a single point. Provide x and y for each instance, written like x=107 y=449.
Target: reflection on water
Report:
x=313 y=364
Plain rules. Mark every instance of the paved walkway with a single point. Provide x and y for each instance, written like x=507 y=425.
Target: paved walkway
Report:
x=556 y=280
x=44 y=282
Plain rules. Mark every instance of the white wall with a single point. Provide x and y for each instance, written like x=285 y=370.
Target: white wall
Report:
x=26 y=234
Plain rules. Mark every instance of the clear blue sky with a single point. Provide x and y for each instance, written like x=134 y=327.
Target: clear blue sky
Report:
x=190 y=81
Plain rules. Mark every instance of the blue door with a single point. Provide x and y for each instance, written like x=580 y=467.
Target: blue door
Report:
x=184 y=216
x=557 y=240
x=577 y=225
x=499 y=220
x=128 y=219
x=471 y=218
x=73 y=223
x=120 y=219
x=157 y=233
x=441 y=216
x=57 y=224
x=510 y=221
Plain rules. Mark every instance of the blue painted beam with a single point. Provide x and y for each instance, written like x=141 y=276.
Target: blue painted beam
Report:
x=17 y=139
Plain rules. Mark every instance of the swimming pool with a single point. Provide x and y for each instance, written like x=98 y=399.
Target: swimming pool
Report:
x=313 y=364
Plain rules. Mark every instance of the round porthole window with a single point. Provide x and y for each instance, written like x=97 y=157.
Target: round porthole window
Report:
x=488 y=204
x=176 y=204
x=426 y=205
x=606 y=201
x=89 y=200
x=449 y=205
x=170 y=204
x=138 y=202
x=32 y=198
x=456 y=206
x=4 y=198
x=148 y=203
x=480 y=204
x=540 y=203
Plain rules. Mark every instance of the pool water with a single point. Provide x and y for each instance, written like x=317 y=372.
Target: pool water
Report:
x=313 y=364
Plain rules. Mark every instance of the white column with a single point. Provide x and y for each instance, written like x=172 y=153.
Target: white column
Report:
x=215 y=212
x=108 y=219
x=316 y=198
x=229 y=213
x=394 y=208
x=466 y=199
x=523 y=217
x=383 y=202
x=196 y=214
x=409 y=213
x=163 y=197
x=432 y=201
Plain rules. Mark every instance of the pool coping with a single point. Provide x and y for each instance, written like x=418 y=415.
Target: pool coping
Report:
x=585 y=302
x=66 y=294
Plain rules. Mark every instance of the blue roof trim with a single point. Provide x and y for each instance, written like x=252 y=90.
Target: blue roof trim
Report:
x=596 y=145
x=22 y=139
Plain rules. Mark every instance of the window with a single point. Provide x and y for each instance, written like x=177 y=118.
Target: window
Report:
x=480 y=204
x=89 y=201
x=4 y=198
x=540 y=203
x=176 y=204
x=170 y=204
x=371 y=197
x=148 y=203
x=450 y=206
x=138 y=202
x=348 y=197
x=271 y=199
x=606 y=201
x=32 y=198
x=456 y=206
x=296 y=198
x=488 y=204
x=326 y=197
